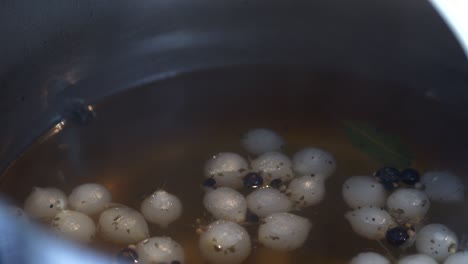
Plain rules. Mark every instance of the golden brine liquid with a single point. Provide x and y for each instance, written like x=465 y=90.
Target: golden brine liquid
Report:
x=159 y=137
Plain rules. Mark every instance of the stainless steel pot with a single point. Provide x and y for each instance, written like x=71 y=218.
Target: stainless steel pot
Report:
x=60 y=55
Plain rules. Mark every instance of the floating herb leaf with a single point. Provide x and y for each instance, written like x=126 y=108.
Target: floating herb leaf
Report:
x=381 y=146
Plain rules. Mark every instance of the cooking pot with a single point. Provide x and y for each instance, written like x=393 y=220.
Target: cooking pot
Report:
x=62 y=58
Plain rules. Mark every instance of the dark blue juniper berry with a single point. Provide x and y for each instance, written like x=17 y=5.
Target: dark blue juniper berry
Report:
x=410 y=176
x=397 y=236
x=127 y=256
x=253 y=180
x=276 y=183
x=389 y=177
x=210 y=182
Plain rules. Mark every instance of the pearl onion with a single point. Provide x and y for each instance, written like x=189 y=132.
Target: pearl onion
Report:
x=122 y=225
x=314 y=161
x=408 y=205
x=457 y=258
x=161 y=208
x=45 y=203
x=417 y=259
x=360 y=191
x=284 y=231
x=437 y=241
x=266 y=201
x=259 y=141
x=226 y=204
x=306 y=191
x=370 y=222
x=225 y=242
x=273 y=165
x=159 y=250
x=369 y=258
x=74 y=225
x=89 y=198
x=442 y=186
x=227 y=169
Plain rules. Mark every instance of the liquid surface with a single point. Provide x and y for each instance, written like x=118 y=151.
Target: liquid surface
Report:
x=159 y=137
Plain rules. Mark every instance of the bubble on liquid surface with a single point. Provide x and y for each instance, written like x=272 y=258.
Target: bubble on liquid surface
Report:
x=226 y=204
x=225 y=242
x=227 y=169
x=369 y=258
x=360 y=191
x=262 y=140
x=314 y=161
x=284 y=231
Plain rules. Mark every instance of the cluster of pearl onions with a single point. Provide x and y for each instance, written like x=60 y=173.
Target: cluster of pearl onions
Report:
x=51 y=205
x=279 y=185
x=404 y=206
x=159 y=250
x=365 y=195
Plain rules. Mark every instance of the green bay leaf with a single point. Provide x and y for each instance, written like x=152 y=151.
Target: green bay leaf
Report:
x=378 y=144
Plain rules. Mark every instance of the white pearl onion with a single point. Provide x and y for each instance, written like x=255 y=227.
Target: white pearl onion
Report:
x=284 y=231
x=457 y=258
x=45 y=203
x=262 y=140
x=122 y=225
x=74 y=225
x=437 y=241
x=273 y=165
x=417 y=259
x=161 y=208
x=360 y=191
x=266 y=201
x=225 y=242
x=314 y=161
x=159 y=250
x=408 y=205
x=89 y=198
x=369 y=258
x=226 y=204
x=227 y=169
x=306 y=191
x=442 y=186
x=370 y=222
